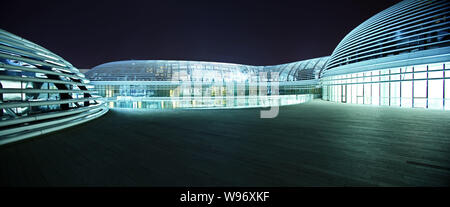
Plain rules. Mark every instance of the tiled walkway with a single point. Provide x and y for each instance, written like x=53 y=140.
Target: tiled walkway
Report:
x=313 y=144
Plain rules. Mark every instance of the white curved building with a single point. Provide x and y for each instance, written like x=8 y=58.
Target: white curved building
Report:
x=399 y=57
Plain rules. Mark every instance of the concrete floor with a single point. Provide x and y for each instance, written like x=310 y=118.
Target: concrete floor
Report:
x=313 y=144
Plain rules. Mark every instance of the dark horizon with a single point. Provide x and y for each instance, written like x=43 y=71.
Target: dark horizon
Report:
x=88 y=34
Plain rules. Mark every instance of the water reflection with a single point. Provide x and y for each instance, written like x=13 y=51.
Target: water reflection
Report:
x=207 y=102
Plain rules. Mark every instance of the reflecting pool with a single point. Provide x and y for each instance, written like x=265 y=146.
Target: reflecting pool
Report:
x=207 y=102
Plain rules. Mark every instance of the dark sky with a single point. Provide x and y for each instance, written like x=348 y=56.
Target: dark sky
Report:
x=89 y=33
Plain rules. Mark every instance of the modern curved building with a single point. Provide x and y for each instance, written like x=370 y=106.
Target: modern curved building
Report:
x=399 y=57
x=144 y=79
x=40 y=92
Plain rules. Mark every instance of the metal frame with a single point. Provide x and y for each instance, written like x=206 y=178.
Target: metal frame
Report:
x=31 y=67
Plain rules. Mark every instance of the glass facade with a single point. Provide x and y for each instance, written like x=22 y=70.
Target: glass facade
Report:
x=140 y=80
x=417 y=86
x=199 y=71
x=193 y=89
x=399 y=57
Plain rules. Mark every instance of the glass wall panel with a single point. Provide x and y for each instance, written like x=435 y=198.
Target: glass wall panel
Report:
x=360 y=79
x=447 y=93
x=406 y=76
x=354 y=93
x=331 y=95
x=406 y=73
x=375 y=77
x=384 y=77
x=406 y=94
x=438 y=66
x=368 y=93
x=395 y=70
x=420 y=89
x=435 y=94
x=384 y=94
x=328 y=93
x=395 y=77
x=376 y=94
x=349 y=93
x=421 y=75
x=360 y=93
x=339 y=90
x=436 y=74
x=395 y=93
x=420 y=68
x=367 y=77
x=420 y=93
x=395 y=87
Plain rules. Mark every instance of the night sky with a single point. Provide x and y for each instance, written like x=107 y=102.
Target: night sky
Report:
x=89 y=33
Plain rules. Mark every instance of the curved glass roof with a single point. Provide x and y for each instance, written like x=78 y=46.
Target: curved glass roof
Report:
x=395 y=34
x=172 y=70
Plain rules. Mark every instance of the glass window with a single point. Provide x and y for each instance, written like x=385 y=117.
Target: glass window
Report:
x=368 y=93
x=339 y=90
x=359 y=89
x=10 y=84
x=354 y=92
x=375 y=78
x=420 y=88
x=335 y=87
x=376 y=94
x=395 y=77
x=435 y=93
x=447 y=94
x=406 y=90
x=360 y=93
x=437 y=66
x=384 y=94
x=395 y=93
x=395 y=70
x=408 y=69
x=12 y=97
x=359 y=80
x=447 y=89
x=349 y=93
x=420 y=68
x=436 y=74
x=420 y=93
x=422 y=75
x=367 y=79
x=407 y=76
